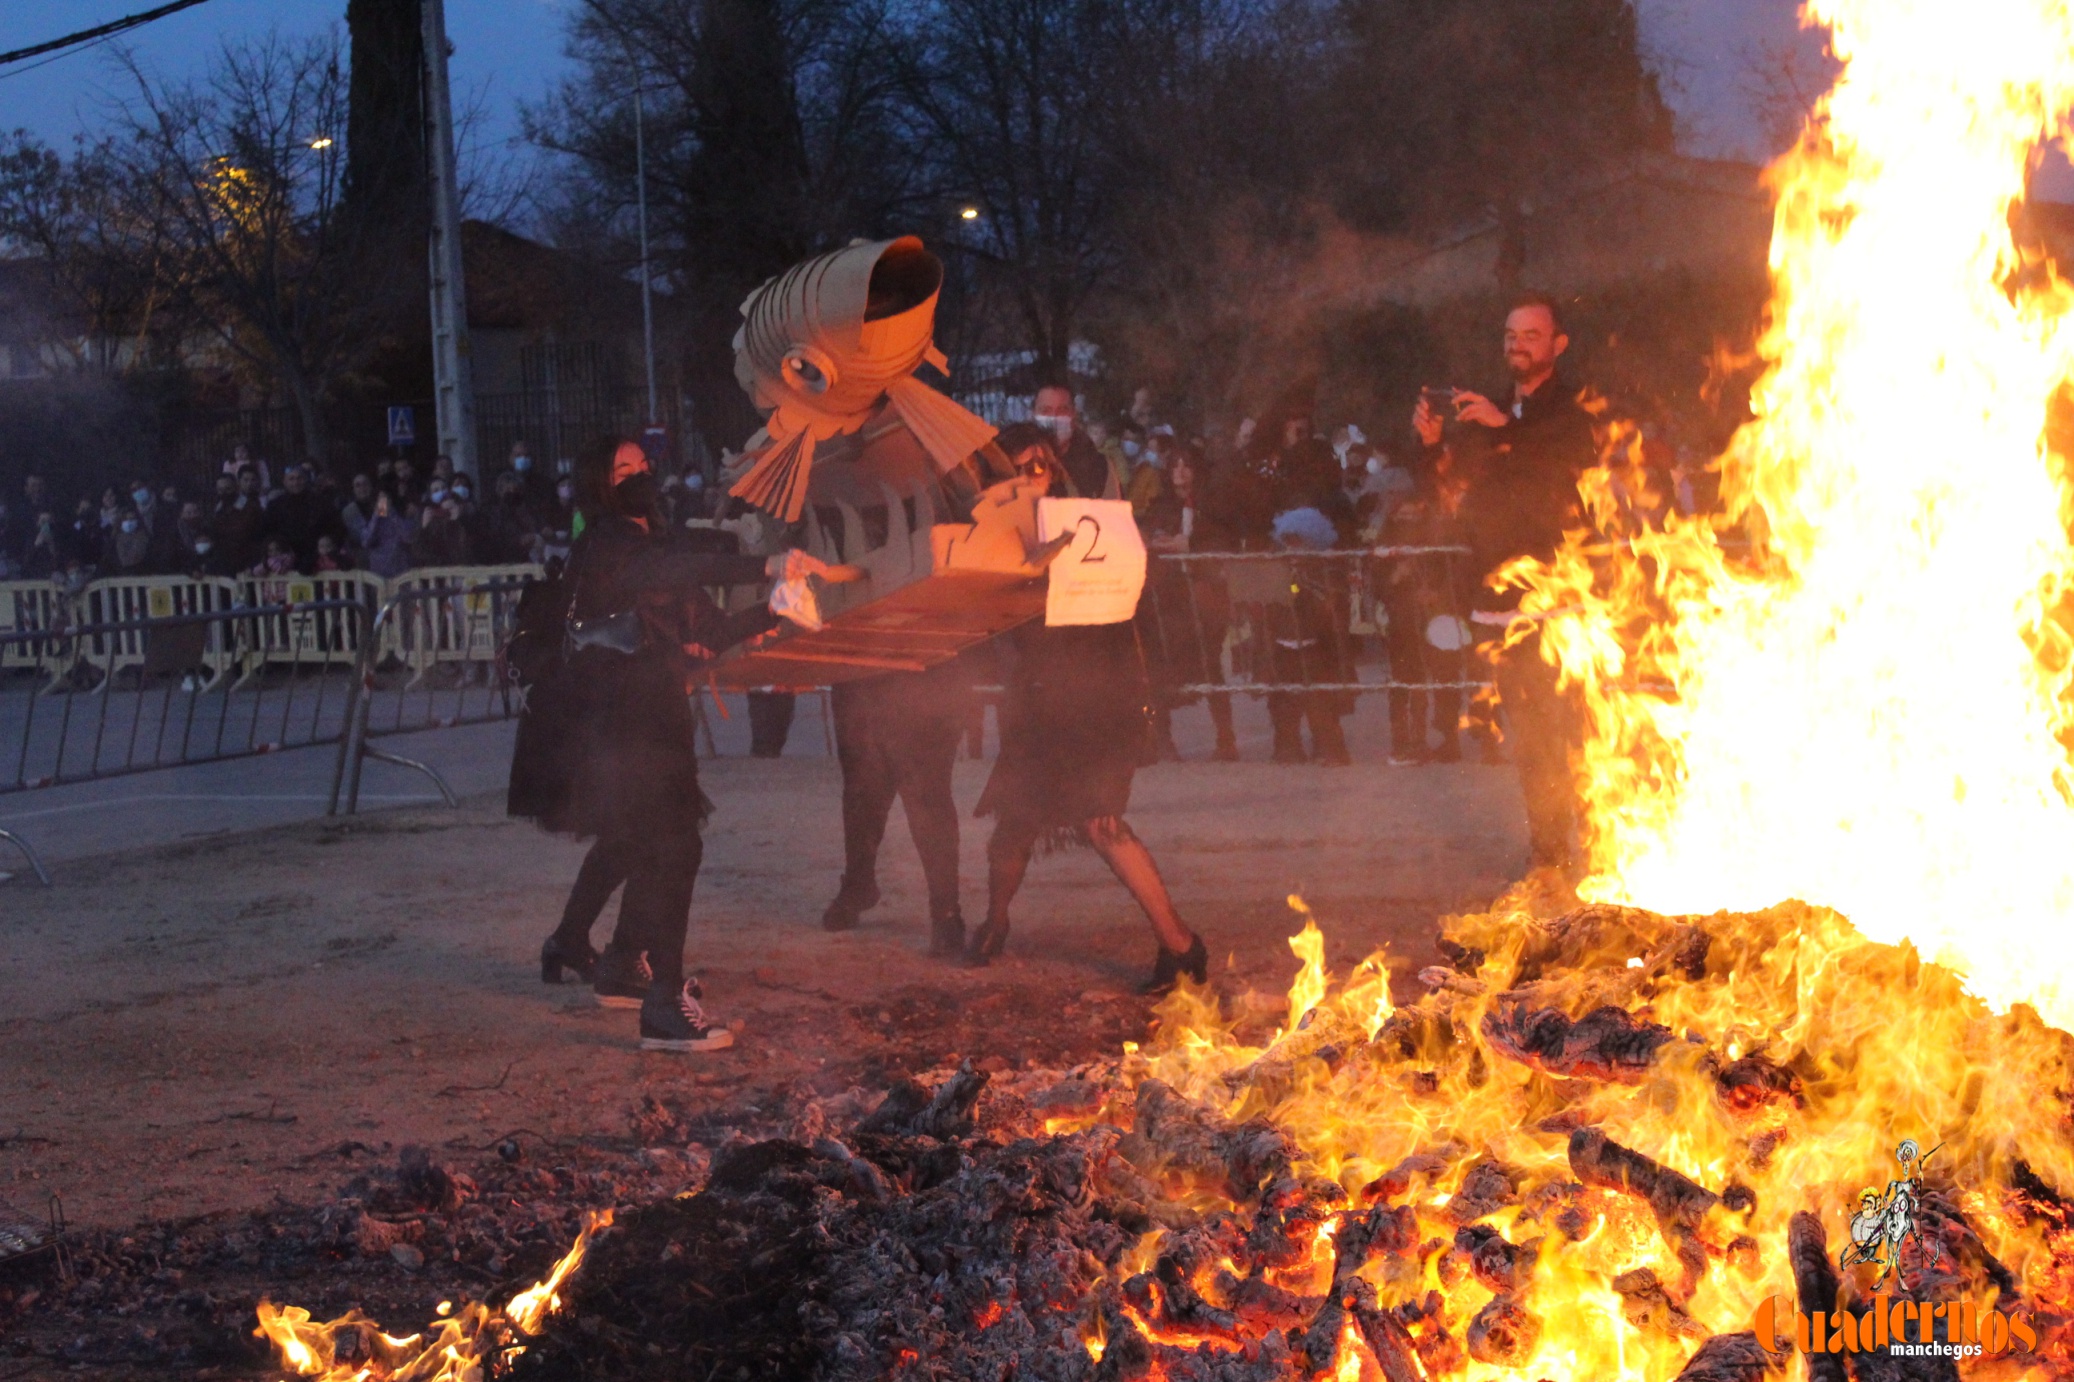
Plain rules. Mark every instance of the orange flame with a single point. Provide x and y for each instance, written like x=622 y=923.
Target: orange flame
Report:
x=456 y=1348
x=1869 y=711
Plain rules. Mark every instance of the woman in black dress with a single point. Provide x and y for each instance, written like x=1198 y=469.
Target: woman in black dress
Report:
x=1074 y=732
x=608 y=753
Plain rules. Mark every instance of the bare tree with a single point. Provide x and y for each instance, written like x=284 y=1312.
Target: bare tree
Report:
x=235 y=181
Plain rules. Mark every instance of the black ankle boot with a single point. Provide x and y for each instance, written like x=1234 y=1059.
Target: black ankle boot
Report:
x=947 y=935
x=987 y=942
x=850 y=904
x=1171 y=965
x=555 y=956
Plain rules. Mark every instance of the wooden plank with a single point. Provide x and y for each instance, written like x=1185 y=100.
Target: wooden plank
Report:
x=919 y=626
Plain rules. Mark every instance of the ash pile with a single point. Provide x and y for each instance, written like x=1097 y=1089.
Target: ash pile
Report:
x=1591 y=1149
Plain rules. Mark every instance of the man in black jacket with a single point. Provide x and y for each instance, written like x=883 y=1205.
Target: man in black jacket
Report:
x=1522 y=461
x=299 y=516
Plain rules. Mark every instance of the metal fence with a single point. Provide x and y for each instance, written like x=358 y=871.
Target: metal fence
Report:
x=137 y=674
x=423 y=629
x=109 y=697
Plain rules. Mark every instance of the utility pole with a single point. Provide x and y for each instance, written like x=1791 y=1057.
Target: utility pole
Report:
x=641 y=202
x=453 y=380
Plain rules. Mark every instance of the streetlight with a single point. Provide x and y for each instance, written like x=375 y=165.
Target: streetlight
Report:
x=322 y=141
x=970 y=213
x=641 y=203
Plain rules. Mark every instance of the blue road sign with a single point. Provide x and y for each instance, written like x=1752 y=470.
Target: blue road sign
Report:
x=403 y=426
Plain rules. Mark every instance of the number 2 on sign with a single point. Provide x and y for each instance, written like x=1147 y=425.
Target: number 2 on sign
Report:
x=1088 y=520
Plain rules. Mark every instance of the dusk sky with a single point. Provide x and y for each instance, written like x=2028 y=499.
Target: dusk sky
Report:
x=509 y=51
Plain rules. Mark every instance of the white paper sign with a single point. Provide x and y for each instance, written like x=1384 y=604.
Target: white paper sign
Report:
x=1098 y=578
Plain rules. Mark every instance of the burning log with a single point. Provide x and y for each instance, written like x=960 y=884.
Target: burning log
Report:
x=1679 y=1204
x=1646 y=1305
x=1814 y=1284
x=913 y=1111
x=1488 y=1187
x=1503 y=1333
x=1605 y=1044
x=1264 y=1306
x=1754 y=1081
x=1502 y=1266
x=1732 y=1358
x=1173 y=1133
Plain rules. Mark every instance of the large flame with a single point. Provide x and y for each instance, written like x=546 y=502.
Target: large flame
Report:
x=1864 y=712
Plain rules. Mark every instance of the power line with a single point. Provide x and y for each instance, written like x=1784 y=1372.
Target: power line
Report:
x=107 y=30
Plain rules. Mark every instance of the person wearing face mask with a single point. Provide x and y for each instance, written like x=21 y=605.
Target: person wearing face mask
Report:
x=131 y=545
x=442 y=539
x=609 y=753
x=1086 y=469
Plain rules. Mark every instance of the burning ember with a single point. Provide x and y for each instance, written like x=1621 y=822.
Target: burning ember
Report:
x=1870 y=709
x=1603 y=1146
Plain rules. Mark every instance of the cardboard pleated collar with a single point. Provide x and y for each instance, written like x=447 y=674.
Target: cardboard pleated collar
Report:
x=823 y=344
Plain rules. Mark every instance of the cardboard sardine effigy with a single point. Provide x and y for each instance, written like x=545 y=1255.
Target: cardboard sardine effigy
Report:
x=898 y=482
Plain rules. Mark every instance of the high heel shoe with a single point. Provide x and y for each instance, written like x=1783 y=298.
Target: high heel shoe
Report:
x=987 y=942
x=554 y=958
x=1172 y=964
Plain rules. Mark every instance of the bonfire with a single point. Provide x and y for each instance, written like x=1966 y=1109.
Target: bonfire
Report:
x=1810 y=1111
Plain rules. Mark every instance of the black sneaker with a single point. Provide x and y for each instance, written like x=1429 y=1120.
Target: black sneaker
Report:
x=622 y=978
x=679 y=1023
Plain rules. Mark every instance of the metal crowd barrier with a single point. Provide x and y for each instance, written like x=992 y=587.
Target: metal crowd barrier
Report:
x=457 y=619
x=160 y=697
x=136 y=673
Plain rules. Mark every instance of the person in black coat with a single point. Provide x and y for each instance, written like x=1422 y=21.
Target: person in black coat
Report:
x=606 y=749
x=1075 y=729
x=1521 y=463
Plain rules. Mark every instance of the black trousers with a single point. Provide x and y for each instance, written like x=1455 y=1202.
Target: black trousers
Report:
x=889 y=748
x=660 y=868
x=604 y=868
x=1543 y=726
x=770 y=722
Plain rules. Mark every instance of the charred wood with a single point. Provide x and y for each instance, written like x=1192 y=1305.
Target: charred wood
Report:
x=1646 y=1305
x=1605 y=1044
x=1678 y=1203
x=1815 y=1284
x=1503 y=1333
x=1730 y=1358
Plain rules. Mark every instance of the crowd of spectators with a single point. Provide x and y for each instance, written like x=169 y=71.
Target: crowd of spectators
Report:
x=257 y=519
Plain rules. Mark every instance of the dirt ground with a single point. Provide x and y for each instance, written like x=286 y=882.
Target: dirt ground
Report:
x=201 y=1028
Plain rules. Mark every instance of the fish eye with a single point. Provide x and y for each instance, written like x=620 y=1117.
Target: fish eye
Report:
x=811 y=375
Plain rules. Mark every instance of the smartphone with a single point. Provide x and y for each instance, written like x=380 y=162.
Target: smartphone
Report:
x=1440 y=399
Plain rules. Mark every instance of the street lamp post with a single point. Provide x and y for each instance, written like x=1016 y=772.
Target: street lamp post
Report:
x=453 y=379
x=641 y=206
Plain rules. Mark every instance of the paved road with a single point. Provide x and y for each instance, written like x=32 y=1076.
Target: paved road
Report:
x=187 y=803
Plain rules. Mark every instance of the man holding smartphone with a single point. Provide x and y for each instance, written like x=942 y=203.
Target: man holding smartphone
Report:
x=1522 y=461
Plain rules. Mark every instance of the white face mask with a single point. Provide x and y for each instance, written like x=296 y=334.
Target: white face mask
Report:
x=129 y=525
x=1375 y=465
x=1131 y=449
x=202 y=546
x=1059 y=424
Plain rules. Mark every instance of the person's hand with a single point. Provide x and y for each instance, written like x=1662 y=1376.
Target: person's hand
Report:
x=381 y=505
x=1427 y=423
x=794 y=565
x=1474 y=407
